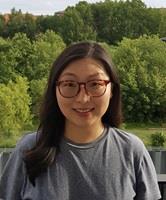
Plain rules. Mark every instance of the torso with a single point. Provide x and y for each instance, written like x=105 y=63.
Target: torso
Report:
x=96 y=171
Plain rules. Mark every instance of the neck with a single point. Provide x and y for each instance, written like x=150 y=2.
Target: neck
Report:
x=83 y=134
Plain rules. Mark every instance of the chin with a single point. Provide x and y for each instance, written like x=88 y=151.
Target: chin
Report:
x=84 y=124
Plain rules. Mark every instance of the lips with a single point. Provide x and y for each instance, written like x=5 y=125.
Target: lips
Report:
x=83 y=110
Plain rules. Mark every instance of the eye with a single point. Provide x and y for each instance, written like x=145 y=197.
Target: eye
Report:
x=95 y=83
x=68 y=84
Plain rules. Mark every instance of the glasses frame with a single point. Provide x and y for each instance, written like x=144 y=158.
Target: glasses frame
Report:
x=106 y=82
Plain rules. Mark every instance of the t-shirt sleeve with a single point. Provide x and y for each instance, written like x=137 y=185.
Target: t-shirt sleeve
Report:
x=146 y=179
x=13 y=176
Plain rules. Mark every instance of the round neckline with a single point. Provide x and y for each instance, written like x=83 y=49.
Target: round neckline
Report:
x=88 y=145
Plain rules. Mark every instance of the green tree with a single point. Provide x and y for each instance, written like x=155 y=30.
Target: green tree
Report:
x=102 y=14
x=20 y=56
x=33 y=59
x=14 y=109
x=23 y=50
x=114 y=20
x=7 y=61
x=85 y=12
x=47 y=47
x=28 y=26
x=2 y=24
x=45 y=23
x=36 y=91
x=162 y=26
x=18 y=22
x=152 y=20
x=74 y=28
x=141 y=64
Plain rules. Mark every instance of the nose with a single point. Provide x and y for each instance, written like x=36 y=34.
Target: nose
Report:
x=83 y=96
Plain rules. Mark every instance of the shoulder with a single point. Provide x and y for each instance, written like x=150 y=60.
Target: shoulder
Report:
x=127 y=141
x=27 y=142
x=130 y=148
x=124 y=136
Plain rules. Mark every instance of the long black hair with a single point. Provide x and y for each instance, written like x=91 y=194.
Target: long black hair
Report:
x=52 y=121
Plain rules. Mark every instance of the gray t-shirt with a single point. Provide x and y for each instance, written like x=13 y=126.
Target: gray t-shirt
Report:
x=116 y=166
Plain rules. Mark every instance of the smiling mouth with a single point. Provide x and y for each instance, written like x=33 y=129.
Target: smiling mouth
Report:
x=83 y=110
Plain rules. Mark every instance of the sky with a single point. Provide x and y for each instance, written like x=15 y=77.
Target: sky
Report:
x=49 y=7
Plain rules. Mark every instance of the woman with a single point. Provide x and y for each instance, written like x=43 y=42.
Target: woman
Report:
x=78 y=151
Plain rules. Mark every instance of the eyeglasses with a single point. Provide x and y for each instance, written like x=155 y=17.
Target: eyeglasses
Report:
x=94 y=88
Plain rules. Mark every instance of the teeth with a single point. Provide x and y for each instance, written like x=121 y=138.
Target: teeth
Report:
x=83 y=110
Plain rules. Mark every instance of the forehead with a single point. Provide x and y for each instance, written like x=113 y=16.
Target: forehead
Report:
x=84 y=67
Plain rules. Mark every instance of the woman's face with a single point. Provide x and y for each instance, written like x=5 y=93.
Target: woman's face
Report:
x=83 y=110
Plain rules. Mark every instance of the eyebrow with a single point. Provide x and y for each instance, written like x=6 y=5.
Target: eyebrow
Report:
x=74 y=75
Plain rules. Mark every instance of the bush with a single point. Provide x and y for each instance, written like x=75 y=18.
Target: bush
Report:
x=14 y=110
x=158 y=139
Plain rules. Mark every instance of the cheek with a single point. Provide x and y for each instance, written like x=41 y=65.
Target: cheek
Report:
x=103 y=103
x=106 y=99
x=107 y=96
x=63 y=103
x=59 y=100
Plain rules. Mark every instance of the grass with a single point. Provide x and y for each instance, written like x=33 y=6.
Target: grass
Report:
x=143 y=131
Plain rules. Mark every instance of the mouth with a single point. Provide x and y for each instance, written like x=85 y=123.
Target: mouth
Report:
x=83 y=110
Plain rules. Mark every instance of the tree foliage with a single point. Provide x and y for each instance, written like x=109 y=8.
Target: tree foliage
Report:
x=76 y=24
x=29 y=59
x=37 y=88
x=14 y=110
x=117 y=19
x=141 y=64
x=162 y=25
x=47 y=47
x=7 y=61
x=108 y=21
x=18 y=22
x=22 y=50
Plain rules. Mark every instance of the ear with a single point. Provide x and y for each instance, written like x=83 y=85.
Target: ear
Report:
x=111 y=89
x=111 y=94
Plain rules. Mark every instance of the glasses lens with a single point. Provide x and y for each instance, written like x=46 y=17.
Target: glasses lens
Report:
x=96 y=87
x=68 y=88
